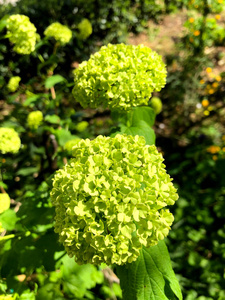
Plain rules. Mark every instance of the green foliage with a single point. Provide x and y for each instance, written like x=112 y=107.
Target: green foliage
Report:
x=119 y=77
x=85 y=29
x=151 y=277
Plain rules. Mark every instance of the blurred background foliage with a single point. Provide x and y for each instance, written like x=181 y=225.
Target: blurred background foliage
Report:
x=189 y=127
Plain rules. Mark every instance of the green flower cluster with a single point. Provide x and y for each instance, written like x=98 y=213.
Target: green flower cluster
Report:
x=156 y=104
x=85 y=29
x=119 y=77
x=22 y=33
x=70 y=144
x=34 y=119
x=110 y=200
x=9 y=140
x=4 y=202
x=59 y=32
x=81 y=126
x=13 y=83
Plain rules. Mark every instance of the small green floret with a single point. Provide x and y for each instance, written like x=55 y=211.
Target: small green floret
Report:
x=4 y=202
x=34 y=119
x=59 y=32
x=9 y=140
x=111 y=200
x=119 y=77
x=13 y=83
x=85 y=29
x=22 y=33
x=156 y=104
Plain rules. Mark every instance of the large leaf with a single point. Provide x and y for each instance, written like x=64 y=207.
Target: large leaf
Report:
x=54 y=79
x=150 y=277
x=145 y=131
x=141 y=114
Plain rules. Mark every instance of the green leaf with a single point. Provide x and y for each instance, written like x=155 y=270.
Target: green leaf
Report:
x=145 y=131
x=63 y=136
x=142 y=113
x=8 y=219
x=27 y=171
x=53 y=119
x=54 y=79
x=150 y=277
x=31 y=99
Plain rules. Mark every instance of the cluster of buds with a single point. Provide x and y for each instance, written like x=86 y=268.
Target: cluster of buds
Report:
x=9 y=140
x=22 y=33
x=111 y=200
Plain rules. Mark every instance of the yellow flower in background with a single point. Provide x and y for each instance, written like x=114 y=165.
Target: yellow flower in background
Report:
x=218 y=17
x=215 y=84
x=197 y=33
x=210 y=108
x=208 y=70
x=205 y=102
x=213 y=149
x=214 y=157
x=191 y=20
x=223 y=149
x=220 y=1
x=223 y=138
x=206 y=113
x=211 y=91
x=202 y=81
x=218 y=78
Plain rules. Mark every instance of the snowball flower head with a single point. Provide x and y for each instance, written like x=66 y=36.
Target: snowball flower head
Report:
x=110 y=200
x=119 y=77
x=4 y=202
x=85 y=29
x=59 y=32
x=22 y=33
x=34 y=119
x=9 y=140
x=13 y=83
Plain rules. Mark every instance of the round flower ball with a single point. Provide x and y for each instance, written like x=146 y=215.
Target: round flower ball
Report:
x=119 y=77
x=111 y=200
x=34 y=119
x=85 y=29
x=9 y=140
x=13 y=83
x=156 y=104
x=59 y=32
x=22 y=33
x=4 y=202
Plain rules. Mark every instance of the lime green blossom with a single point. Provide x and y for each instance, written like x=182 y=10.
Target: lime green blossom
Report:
x=119 y=77
x=59 y=32
x=13 y=83
x=82 y=126
x=9 y=140
x=34 y=119
x=111 y=200
x=70 y=144
x=156 y=104
x=85 y=29
x=22 y=33
x=4 y=202
x=7 y=297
